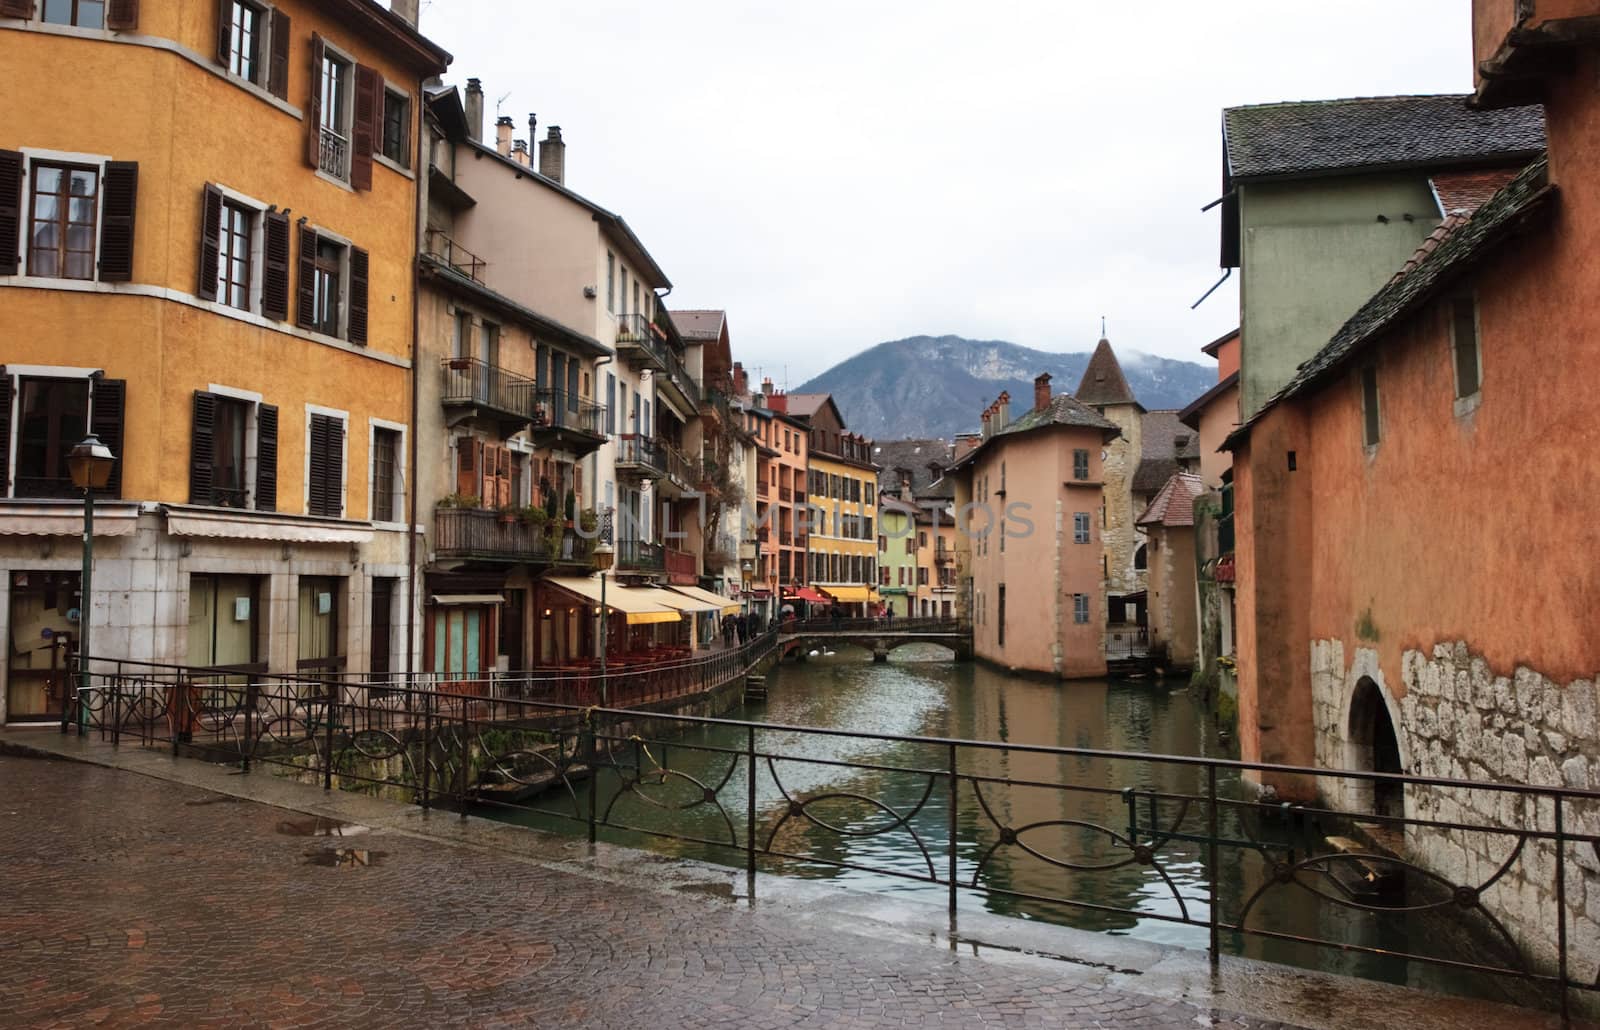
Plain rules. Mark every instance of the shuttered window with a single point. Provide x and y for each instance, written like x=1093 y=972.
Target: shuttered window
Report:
x=1080 y=464
x=219 y=451
x=266 y=457
x=275 y=265
x=87 y=14
x=396 y=144
x=52 y=416
x=10 y=211
x=365 y=119
x=385 y=474
x=333 y=287
x=239 y=39
x=61 y=220
x=325 y=474
x=1080 y=527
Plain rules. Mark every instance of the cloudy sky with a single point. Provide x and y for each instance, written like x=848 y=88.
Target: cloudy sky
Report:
x=836 y=174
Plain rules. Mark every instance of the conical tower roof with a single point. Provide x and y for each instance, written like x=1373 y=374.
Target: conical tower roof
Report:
x=1103 y=382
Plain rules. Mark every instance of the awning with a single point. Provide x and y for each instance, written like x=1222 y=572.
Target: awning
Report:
x=466 y=599
x=806 y=594
x=851 y=594
x=251 y=526
x=42 y=520
x=640 y=610
x=669 y=599
x=718 y=602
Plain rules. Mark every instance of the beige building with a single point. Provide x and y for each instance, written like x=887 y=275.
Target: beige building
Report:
x=1168 y=525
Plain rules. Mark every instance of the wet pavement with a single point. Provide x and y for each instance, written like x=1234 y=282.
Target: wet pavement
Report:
x=228 y=900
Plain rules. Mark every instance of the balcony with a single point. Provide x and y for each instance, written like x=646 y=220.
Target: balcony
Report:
x=480 y=534
x=944 y=556
x=761 y=488
x=333 y=155
x=677 y=379
x=682 y=567
x=566 y=420
x=475 y=390
x=639 y=457
x=785 y=494
x=640 y=556
x=637 y=343
x=684 y=473
x=453 y=254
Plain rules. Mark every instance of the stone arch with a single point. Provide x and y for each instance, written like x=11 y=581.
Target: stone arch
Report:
x=1141 y=559
x=892 y=645
x=1373 y=743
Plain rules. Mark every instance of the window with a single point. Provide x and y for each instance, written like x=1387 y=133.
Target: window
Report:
x=53 y=415
x=243 y=33
x=325 y=466
x=622 y=297
x=1080 y=527
x=636 y=308
x=386 y=451
x=319 y=644
x=461 y=342
x=233 y=256
x=922 y=575
x=1369 y=405
x=1000 y=616
x=1080 y=608
x=1080 y=464
x=87 y=14
x=1464 y=337
x=333 y=101
x=396 y=142
x=1141 y=558
x=333 y=288
x=611 y=282
x=62 y=221
x=327 y=264
x=228 y=453
x=233 y=452
x=611 y=404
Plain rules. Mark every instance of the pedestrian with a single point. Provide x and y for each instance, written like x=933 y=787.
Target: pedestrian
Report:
x=837 y=616
x=727 y=631
x=888 y=613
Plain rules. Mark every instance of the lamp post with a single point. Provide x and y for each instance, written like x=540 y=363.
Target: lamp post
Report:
x=603 y=555
x=89 y=464
x=746 y=567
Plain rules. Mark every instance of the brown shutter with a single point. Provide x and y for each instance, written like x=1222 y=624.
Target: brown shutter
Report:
x=467 y=467
x=327 y=466
x=110 y=400
x=316 y=466
x=275 y=266
x=307 y=294
x=314 y=106
x=266 y=457
x=10 y=210
x=278 y=61
x=358 y=296
x=121 y=193
x=5 y=432
x=16 y=8
x=225 y=32
x=210 y=241
x=364 y=126
x=202 y=447
x=122 y=15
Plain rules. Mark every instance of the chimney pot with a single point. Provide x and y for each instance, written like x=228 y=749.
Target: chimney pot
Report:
x=553 y=156
x=519 y=150
x=766 y=386
x=1041 y=392
x=406 y=9
x=533 y=130
x=502 y=135
x=474 y=110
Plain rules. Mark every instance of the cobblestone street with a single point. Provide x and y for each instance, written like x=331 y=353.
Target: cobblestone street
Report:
x=128 y=901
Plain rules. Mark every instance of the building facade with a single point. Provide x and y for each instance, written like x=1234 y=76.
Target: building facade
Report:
x=842 y=505
x=222 y=291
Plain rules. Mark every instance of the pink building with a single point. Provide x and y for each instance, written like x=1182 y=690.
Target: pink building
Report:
x=1028 y=507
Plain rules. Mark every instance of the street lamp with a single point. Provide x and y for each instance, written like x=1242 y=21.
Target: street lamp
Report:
x=746 y=567
x=603 y=554
x=89 y=464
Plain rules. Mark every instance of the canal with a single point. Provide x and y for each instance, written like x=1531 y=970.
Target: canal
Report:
x=877 y=813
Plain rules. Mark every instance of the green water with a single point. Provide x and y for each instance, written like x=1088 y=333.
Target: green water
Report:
x=878 y=812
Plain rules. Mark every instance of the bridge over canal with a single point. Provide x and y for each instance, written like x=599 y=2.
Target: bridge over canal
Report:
x=880 y=636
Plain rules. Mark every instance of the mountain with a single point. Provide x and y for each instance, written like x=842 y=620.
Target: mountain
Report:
x=929 y=386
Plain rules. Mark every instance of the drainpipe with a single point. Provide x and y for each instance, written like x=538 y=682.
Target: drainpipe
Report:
x=594 y=467
x=411 y=457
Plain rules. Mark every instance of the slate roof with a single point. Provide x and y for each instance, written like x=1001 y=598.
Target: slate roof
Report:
x=1063 y=410
x=1319 y=137
x=1526 y=195
x=699 y=324
x=1161 y=457
x=1174 y=505
x=804 y=405
x=915 y=455
x=1103 y=381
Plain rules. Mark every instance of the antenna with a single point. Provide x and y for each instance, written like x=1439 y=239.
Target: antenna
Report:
x=498 y=103
x=1102 y=327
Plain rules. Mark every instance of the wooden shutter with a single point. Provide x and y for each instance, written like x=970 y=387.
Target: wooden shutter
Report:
x=210 y=241
x=225 y=32
x=10 y=210
x=314 y=105
x=266 y=457
x=502 y=478
x=16 y=8
x=122 y=15
x=364 y=126
x=5 y=432
x=202 y=447
x=110 y=402
x=357 y=325
x=278 y=60
x=467 y=463
x=307 y=298
x=275 y=266
x=117 y=207
x=326 y=466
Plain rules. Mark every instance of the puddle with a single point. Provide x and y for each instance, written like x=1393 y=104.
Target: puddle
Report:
x=345 y=858
x=320 y=827
x=219 y=799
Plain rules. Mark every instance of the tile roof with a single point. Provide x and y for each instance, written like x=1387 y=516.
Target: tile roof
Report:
x=1329 y=136
x=1161 y=454
x=1467 y=191
x=804 y=405
x=1457 y=251
x=1063 y=410
x=699 y=324
x=914 y=456
x=1174 y=505
x=1103 y=381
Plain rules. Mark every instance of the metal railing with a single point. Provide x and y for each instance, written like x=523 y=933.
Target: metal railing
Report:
x=640 y=556
x=475 y=381
x=679 y=466
x=637 y=332
x=679 y=376
x=476 y=533
x=333 y=154
x=561 y=409
x=761 y=488
x=876 y=625
x=442 y=246
x=641 y=452
x=1048 y=829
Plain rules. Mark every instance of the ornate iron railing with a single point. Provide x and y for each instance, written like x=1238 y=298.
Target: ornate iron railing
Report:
x=636 y=451
x=640 y=556
x=333 y=154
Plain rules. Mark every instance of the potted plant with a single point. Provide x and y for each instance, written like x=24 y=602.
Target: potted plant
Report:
x=507 y=513
x=460 y=364
x=460 y=501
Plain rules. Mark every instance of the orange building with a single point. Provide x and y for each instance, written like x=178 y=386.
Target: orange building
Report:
x=779 y=501
x=211 y=239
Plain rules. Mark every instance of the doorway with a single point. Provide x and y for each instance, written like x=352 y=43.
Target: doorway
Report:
x=1374 y=747
x=320 y=645
x=44 y=631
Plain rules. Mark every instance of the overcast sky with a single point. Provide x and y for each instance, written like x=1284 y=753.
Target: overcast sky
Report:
x=836 y=174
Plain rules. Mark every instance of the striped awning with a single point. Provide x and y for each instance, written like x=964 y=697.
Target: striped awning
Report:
x=632 y=602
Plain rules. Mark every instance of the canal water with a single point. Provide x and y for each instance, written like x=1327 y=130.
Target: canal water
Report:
x=883 y=816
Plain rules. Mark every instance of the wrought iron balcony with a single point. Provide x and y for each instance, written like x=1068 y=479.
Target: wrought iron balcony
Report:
x=677 y=377
x=637 y=343
x=453 y=254
x=639 y=456
x=333 y=155
x=680 y=468
x=564 y=419
x=640 y=556
x=475 y=387
x=480 y=534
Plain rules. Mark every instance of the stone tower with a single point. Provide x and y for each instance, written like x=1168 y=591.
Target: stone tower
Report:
x=1105 y=389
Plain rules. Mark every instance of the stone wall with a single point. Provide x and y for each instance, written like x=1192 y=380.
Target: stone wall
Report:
x=1118 y=535
x=1457 y=719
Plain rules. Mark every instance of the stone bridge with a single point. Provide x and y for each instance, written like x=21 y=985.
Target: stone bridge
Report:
x=880 y=636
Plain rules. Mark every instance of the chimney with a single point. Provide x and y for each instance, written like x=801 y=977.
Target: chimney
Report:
x=406 y=9
x=553 y=156
x=474 y=111
x=533 y=132
x=1041 y=392
x=1003 y=408
x=766 y=386
x=519 y=151
x=986 y=413
x=502 y=135
x=741 y=380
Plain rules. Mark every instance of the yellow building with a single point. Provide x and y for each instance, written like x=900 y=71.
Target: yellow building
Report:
x=209 y=239
x=842 y=492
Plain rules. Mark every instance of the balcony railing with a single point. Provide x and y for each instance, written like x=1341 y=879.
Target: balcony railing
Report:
x=474 y=381
x=486 y=535
x=441 y=246
x=680 y=376
x=560 y=409
x=761 y=488
x=785 y=494
x=682 y=567
x=334 y=154
x=639 y=453
x=680 y=467
x=640 y=556
x=637 y=338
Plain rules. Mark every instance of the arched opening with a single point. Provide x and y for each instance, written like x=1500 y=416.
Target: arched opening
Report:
x=1374 y=747
x=923 y=651
x=1141 y=559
